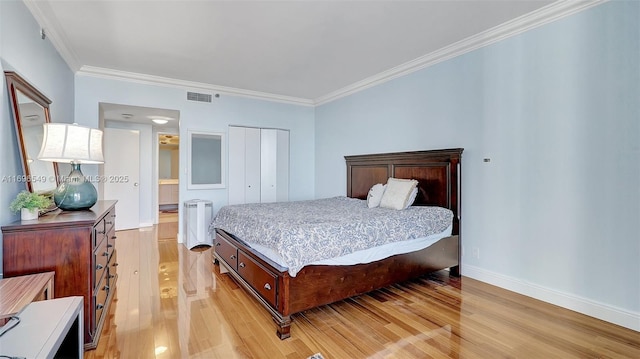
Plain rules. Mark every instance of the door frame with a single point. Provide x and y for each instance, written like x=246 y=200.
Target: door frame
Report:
x=156 y=177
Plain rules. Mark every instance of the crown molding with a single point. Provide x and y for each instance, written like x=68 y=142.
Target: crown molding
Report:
x=55 y=35
x=53 y=31
x=534 y=19
x=537 y=18
x=189 y=85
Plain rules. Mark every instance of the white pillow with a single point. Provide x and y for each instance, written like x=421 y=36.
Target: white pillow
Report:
x=397 y=193
x=412 y=198
x=375 y=195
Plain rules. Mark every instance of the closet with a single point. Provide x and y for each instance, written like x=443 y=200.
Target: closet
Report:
x=258 y=165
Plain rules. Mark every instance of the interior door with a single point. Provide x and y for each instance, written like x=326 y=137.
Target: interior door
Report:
x=122 y=175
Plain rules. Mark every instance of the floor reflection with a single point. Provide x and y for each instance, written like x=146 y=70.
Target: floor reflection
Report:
x=172 y=302
x=195 y=282
x=166 y=304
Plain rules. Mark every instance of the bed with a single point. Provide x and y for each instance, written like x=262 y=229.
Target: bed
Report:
x=438 y=173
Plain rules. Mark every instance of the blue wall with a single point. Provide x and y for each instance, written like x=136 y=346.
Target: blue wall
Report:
x=556 y=109
x=23 y=51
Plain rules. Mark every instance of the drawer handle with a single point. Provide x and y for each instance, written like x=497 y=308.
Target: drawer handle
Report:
x=101 y=232
x=99 y=266
x=241 y=265
x=114 y=237
x=109 y=245
x=267 y=286
x=109 y=222
x=106 y=287
x=112 y=276
x=105 y=254
x=218 y=244
x=99 y=306
x=115 y=264
x=233 y=256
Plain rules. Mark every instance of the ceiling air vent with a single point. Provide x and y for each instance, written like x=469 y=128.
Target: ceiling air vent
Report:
x=200 y=97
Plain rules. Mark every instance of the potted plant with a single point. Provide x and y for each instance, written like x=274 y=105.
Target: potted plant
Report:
x=29 y=204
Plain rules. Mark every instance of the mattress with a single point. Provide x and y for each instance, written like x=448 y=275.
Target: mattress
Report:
x=305 y=232
x=365 y=255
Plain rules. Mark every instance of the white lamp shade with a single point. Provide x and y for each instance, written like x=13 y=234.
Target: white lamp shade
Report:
x=71 y=143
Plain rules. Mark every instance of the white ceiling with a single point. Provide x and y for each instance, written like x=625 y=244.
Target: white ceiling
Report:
x=304 y=50
x=140 y=114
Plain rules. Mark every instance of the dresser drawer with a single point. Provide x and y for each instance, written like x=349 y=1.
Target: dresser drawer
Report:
x=105 y=228
x=111 y=242
x=100 y=301
x=111 y=236
x=110 y=221
x=99 y=233
x=100 y=261
x=262 y=280
x=112 y=269
x=227 y=251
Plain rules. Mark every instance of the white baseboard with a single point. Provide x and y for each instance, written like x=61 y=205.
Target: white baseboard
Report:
x=146 y=224
x=622 y=317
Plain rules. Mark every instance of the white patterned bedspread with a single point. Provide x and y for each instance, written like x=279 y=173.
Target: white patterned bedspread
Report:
x=304 y=232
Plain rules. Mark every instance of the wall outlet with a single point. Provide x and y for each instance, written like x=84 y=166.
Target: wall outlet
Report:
x=476 y=252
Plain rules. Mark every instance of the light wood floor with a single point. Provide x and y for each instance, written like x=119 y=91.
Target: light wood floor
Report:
x=174 y=303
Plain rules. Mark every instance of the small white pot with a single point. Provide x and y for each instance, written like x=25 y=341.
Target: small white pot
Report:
x=28 y=214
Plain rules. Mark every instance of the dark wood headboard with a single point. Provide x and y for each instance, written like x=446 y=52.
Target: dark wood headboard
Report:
x=438 y=173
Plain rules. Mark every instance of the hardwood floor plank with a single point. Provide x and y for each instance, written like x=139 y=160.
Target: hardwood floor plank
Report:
x=171 y=302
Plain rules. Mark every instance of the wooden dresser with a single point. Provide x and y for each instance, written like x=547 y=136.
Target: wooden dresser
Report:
x=79 y=247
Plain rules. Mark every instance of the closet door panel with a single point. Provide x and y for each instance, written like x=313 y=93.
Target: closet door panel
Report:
x=252 y=165
x=237 y=166
x=282 y=166
x=268 y=165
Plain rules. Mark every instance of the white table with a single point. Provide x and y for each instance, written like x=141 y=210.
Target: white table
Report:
x=47 y=329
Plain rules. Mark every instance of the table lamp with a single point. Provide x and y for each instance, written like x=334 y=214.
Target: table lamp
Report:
x=74 y=144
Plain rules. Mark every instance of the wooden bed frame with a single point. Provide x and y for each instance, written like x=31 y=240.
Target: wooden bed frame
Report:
x=439 y=175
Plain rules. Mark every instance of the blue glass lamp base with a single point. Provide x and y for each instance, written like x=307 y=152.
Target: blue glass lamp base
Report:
x=75 y=192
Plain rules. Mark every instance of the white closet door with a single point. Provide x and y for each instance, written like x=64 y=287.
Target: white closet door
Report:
x=282 y=166
x=268 y=165
x=236 y=165
x=258 y=165
x=252 y=165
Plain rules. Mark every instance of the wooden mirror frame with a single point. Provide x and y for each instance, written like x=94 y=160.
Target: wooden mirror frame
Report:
x=16 y=84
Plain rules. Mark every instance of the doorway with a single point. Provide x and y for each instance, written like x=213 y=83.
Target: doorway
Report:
x=168 y=172
x=149 y=123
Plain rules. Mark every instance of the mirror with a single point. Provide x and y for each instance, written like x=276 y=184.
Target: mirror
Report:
x=206 y=154
x=30 y=111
